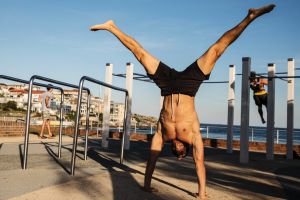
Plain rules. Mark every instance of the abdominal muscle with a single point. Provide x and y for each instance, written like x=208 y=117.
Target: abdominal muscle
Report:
x=178 y=118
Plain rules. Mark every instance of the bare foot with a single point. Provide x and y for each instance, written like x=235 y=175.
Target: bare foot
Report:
x=104 y=26
x=254 y=13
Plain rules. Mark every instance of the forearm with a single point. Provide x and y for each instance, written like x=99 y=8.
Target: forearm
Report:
x=201 y=175
x=150 y=169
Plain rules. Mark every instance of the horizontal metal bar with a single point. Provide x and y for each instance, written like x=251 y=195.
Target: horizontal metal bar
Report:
x=239 y=74
x=149 y=81
x=137 y=76
x=27 y=82
x=103 y=83
x=58 y=82
x=215 y=82
x=281 y=77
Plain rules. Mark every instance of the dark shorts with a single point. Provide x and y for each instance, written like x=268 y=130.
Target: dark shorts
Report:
x=171 y=81
x=261 y=99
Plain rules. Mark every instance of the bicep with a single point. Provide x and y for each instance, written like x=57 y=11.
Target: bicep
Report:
x=47 y=99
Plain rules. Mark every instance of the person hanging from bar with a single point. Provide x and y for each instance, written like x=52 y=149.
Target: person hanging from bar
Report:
x=178 y=122
x=260 y=95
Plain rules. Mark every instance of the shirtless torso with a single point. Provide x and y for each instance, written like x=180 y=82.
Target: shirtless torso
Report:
x=174 y=123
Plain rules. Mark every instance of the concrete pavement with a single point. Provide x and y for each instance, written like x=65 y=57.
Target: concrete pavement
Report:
x=102 y=177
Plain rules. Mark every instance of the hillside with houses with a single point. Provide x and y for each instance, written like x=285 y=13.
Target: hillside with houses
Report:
x=14 y=97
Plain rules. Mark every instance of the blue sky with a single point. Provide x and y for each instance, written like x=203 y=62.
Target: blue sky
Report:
x=51 y=38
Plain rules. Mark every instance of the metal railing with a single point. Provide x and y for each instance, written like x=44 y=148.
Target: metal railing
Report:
x=81 y=82
x=254 y=132
x=42 y=85
x=31 y=83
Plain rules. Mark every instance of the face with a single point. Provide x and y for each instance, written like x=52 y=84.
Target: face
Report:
x=180 y=149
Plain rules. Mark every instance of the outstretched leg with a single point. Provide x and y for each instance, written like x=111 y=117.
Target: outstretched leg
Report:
x=207 y=61
x=149 y=62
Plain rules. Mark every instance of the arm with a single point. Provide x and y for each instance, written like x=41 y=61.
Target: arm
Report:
x=156 y=146
x=264 y=81
x=198 y=155
x=47 y=101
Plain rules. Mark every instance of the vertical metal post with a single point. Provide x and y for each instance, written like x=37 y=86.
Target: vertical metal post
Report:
x=124 y=129
x=76 y=132
x=244 y=138
x=231 y=98
x=60 y=124
x=290 y=109
x=25 y=151
x=106 y=112
x=277 y=136
x=129 y=81
x=252 y=134
x=87 y=126
x=270 y=112
x=207 y=130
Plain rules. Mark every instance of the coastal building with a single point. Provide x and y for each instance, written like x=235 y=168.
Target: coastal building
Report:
x=19 y=94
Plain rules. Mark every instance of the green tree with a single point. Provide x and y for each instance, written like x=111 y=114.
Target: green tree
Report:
x=10 y=105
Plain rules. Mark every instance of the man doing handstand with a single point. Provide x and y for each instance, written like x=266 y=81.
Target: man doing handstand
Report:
x=178 y=121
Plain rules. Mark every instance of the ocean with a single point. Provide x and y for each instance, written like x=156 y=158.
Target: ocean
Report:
x=219 y=131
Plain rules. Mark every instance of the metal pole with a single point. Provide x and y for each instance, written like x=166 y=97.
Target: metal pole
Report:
x=106 y=113
x=60 y=124
x=37 y=84
x=124 y=129
x=129 y=81
x=207 y=129
x=244 y=138
x=270 y=112
x=75 y=137
x=78 y=116
x=87 y=126
x=231 y=98
x=277 y=136
x=25 y=151
x=290 y=109
x=252 y=134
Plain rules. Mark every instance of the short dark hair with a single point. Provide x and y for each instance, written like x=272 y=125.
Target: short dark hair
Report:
x=252 y=75
x=176 y=153
x=49 y=87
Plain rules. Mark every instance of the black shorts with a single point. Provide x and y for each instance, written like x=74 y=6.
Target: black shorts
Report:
x=171 y=81
x=261 y=99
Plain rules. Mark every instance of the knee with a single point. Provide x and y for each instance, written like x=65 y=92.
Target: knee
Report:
x=217 y=50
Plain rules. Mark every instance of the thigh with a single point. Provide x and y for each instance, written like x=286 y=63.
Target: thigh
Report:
x=149 y=62
x=264 y=99
x=257 y=100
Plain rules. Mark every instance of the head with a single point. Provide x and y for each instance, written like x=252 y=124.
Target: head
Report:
x=49 y=87
x=252 y=75
x=180 y=149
